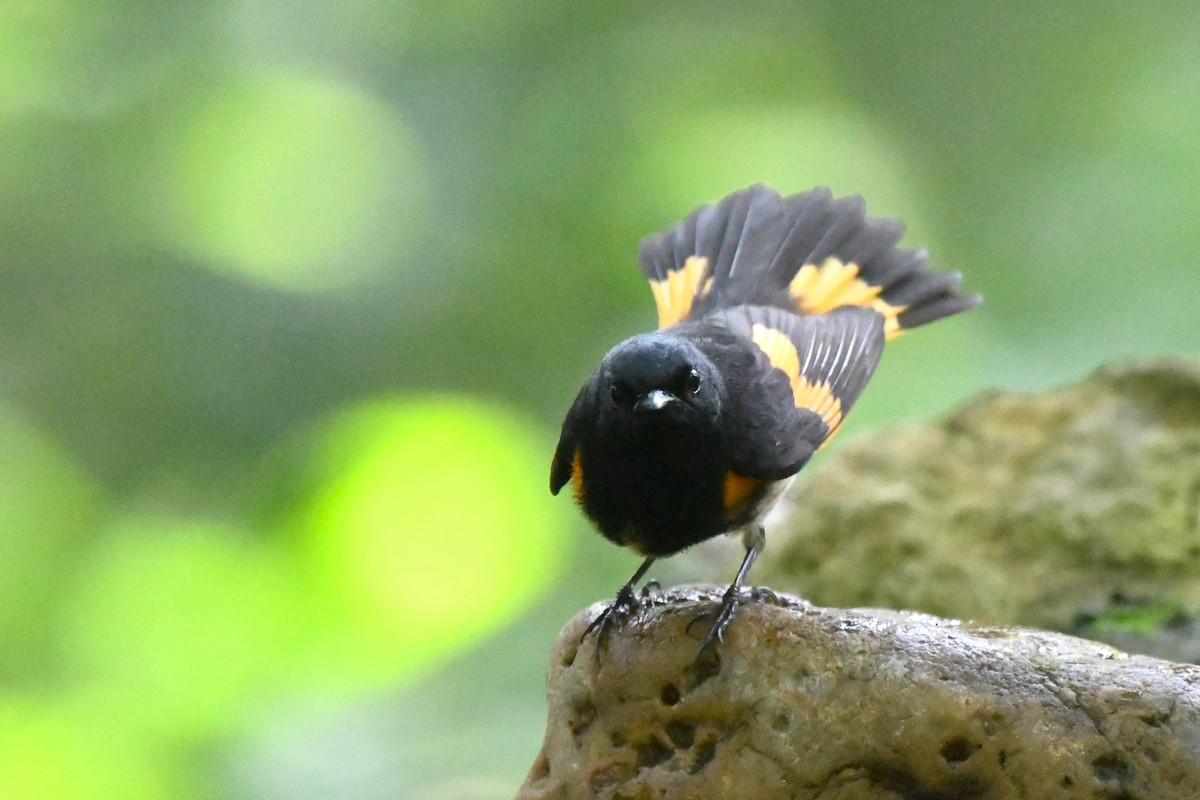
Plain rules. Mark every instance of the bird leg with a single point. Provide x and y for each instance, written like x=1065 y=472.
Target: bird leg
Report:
x=626 y=600
x=754 y=538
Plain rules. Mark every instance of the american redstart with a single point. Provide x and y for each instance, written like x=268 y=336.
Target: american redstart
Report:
x=773 y=312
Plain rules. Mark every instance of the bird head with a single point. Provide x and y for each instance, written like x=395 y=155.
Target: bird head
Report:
x=659 y=380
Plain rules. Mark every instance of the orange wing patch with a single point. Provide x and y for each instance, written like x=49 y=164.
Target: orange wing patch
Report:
x=817 y=290
x=816 y=397
x=738 y=490
x=674 y=294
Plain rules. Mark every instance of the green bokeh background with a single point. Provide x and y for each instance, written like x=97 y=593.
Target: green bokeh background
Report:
x=293 y=295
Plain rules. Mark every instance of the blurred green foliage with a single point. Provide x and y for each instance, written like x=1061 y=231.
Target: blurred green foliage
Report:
x=282 y=179
x=293 y=295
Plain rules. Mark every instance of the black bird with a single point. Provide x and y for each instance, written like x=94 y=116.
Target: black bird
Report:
x=773 y=312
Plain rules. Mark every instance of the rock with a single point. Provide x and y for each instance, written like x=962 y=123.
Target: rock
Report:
x=1077 y=510
x=809 y=703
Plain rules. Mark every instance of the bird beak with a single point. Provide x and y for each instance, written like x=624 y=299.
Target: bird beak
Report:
x=654 y=401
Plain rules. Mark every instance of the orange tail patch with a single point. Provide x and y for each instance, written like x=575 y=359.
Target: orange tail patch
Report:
x=817 y=290
x=674 y=294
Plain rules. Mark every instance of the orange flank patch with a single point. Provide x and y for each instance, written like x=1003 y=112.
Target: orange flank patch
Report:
x=577 y=476
x=674 y=294
x=816 y=397
x=738 y=490
x=817 y=290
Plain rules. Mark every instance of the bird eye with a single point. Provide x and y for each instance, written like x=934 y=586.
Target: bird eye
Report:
x=621 y=394
x=691 y=381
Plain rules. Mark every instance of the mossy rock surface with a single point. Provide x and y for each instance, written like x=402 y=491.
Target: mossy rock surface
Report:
x=1076 y=510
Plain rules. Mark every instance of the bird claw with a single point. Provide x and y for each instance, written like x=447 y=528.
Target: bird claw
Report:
x=725 y=611
x=762 y=594
x=724 y=614
x=625 y=602
x=618 y=610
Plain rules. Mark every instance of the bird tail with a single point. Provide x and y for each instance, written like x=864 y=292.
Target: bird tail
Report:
x=808 y=253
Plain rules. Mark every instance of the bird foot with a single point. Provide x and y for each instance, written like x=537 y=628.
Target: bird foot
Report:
x=724 y=612
x=625 y=603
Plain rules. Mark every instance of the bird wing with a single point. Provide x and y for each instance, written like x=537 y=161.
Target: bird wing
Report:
x=811 y=370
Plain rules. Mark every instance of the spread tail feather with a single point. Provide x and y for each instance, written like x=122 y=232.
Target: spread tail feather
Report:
x=808 y=253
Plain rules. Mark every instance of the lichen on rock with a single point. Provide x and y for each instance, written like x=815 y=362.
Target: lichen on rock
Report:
x=806 y=703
